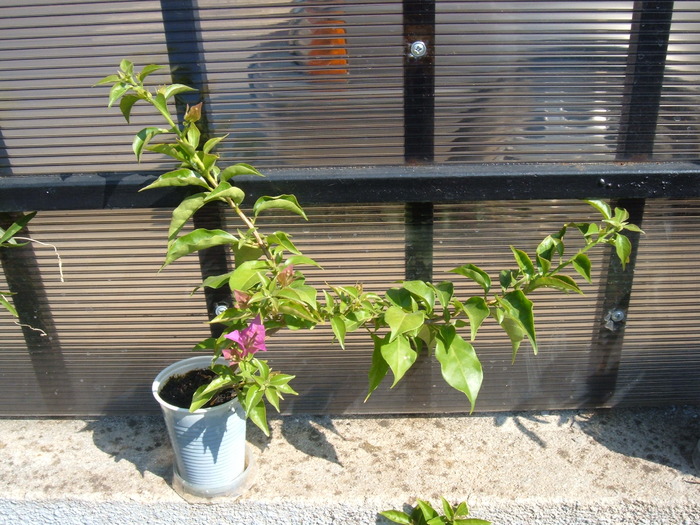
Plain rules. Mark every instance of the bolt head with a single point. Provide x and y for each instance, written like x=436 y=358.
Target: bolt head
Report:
x=418 y=49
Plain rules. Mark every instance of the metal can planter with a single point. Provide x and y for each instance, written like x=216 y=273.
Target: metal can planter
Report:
x=209 y=443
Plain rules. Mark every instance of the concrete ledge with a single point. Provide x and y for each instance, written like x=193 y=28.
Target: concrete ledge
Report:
x=569 y=467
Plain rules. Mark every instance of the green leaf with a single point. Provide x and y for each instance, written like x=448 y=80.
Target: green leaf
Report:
x=587 y=229
x=125 y=105
x=258 y=415
x=15 y=227
x=447 y=509
x=109 y=79
x=401 y=298
x=167 y=149
x=426 y=509
x=623 y=248
x=459 y=363
x=444 y=292
x=239 y=169
x=379 y=368
x=633 y=228
x=217 y=281
x=462 y=510
x=423 y=292
x=524 y=262
x=244 y=252
x=174 y=89
x=225 y=191
x=283 y=240
x=280 y=202
x=184 y=212
x=193 y=136
x=126 y=66
x=117 y=91
x=180 y=177
x=297 y=260
x=246 y=275
x=471 y=521
x=508 y=278
x=519 y=308
x=143 y=137
x=545 y=250
x=477 y=310
x=515 y=333
x=401 y=322
x=400 y=357
x=563 y=283
x=339 y=330
x=147 y=70
x=211 y=143
x=204 y=393
x=305 y=293
x=6 y=304
x=397 y=516
x=161 y=105
x=197 y=240
x=602 y=207
x=476 y=274
x=582 y=264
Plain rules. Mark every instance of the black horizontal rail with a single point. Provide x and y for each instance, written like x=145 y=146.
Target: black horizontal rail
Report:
x=391 y=184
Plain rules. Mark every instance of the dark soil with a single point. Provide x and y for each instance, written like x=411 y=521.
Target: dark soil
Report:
x=178 y=390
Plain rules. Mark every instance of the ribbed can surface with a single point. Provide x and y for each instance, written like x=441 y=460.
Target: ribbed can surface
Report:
x=209 y=443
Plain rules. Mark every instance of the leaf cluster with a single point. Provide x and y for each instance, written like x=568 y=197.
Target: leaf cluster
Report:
x=7 y=240
x=424 y=514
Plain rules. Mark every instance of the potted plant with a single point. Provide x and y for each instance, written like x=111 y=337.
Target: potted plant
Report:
x=271 y=293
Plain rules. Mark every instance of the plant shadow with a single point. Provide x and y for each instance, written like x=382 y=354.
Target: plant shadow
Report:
x=666 y=435
x=140 y=440
x=663 y=435
x=306 y=434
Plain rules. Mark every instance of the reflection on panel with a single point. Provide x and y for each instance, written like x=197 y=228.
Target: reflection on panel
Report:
x=300 y=83
x=51 y=118
x=536 y=81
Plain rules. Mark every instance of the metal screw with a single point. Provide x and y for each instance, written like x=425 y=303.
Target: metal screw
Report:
x=220 y=308
x=418 y=49
x=617 y=316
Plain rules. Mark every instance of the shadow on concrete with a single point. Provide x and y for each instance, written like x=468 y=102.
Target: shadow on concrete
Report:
x=140 y=440
x=666 y=436
x=304 y=433
x=663 y=435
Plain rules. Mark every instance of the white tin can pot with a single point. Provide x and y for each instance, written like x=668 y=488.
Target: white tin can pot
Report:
x=209 y=443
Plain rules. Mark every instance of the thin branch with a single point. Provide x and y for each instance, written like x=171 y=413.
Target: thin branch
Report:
x=58 y=256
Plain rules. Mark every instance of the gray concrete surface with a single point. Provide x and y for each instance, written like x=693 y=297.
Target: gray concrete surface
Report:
x=630 y=466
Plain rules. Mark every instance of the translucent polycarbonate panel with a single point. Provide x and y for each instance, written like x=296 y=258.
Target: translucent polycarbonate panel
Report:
x=116 y=320
x=661 y=357
x=51 y=54
x=302 y=83
x=678 y=129
x=292 y=83
x=529 y=81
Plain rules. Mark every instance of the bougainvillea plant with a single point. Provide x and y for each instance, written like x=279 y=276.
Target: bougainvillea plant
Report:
x=271 y=293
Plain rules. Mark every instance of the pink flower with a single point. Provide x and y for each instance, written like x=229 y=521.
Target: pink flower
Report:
x=249 y=340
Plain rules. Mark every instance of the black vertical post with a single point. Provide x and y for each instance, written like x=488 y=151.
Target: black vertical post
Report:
x=419 y=127
x=187 y=65
x=646 y=61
